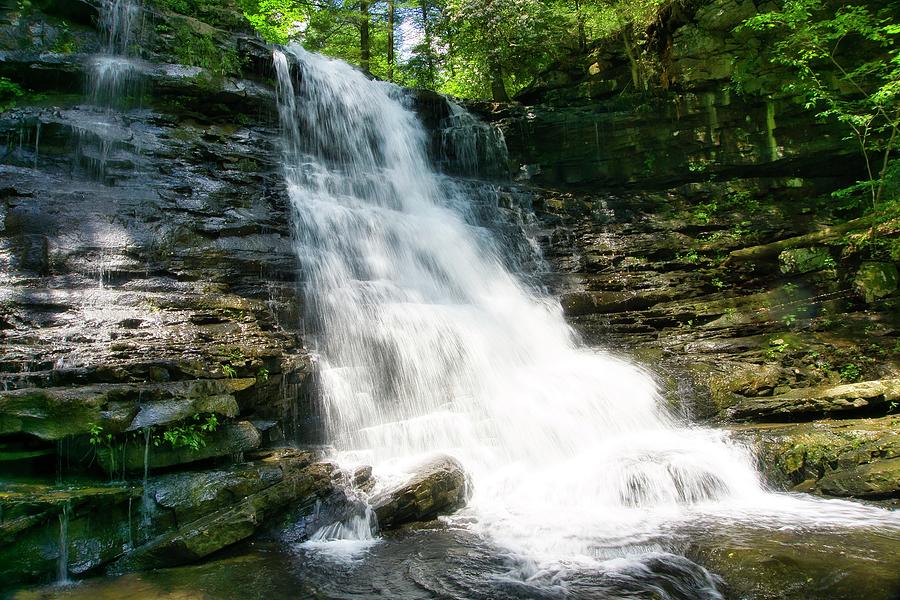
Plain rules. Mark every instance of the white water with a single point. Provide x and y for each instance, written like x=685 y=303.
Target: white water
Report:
x=426 y=343
x=114 y=72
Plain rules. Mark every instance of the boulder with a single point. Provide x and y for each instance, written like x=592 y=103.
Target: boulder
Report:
x=879 y=479
x=805 y=260
x=876 y=280
x=847 y=457
x=439 y=487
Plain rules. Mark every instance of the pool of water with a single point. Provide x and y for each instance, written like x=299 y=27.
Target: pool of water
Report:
x=446 y=560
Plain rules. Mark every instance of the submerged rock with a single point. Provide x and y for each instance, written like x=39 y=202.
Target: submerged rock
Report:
x=439 y=487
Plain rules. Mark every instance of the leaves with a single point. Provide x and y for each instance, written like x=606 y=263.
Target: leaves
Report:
x=844 y=64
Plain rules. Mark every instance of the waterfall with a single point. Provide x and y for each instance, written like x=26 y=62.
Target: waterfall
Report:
x=62 y=570
x=427 y=343
x=114 y=72
x=113 y=84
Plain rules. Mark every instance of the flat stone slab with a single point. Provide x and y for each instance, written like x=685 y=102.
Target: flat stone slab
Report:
x=819 y=401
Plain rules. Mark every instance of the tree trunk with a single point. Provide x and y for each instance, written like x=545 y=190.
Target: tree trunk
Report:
x=364 y=49
x=390 y=40
x=579 y=19
x=498 y=88
x=429 y=59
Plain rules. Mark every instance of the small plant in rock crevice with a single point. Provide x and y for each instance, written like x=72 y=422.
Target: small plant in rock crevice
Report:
x=850 y=372
x=189 y=434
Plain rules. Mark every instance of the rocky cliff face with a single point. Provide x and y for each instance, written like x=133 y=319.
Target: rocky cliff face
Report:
x=149 y=287
x=150 y=311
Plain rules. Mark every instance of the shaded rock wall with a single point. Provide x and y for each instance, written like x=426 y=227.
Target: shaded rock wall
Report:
x=150 y=313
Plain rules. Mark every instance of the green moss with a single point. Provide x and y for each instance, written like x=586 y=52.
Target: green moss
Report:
x=199 y=49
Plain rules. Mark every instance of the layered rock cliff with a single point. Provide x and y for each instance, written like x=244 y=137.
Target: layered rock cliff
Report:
x=149 y=287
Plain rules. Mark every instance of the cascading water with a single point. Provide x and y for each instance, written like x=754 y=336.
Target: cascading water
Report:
x=114 y=71
x=113 y=82
x=427 y=343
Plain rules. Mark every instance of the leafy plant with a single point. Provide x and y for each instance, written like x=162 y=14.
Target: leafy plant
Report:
x=65 y=42
x=850 y=372
x=190 y=434
x=229 y=371
x=199 y=49
x=262 y=375
x=862 y=50
x=10 y=91
x=777 y=346
x=98 y=438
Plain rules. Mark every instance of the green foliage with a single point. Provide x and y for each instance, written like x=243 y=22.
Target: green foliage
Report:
x=691 y=257
x=850 y=372
x=223 y=14
x=262 y=375
x=229 y=371
x=98 y=437
x=277 y=21
x=65 y=42
x=470 y=48
x=10 y=91
x=199 y=49
x=190 y=433
x=776 y=347
x=845 y=65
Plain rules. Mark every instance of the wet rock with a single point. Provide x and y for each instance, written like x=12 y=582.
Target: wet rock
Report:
x=96 y=521
x=54 y=413
x=192 y=495
x=766 y=563
x=362 y=479
x=803 y=402
x=178 y=518
x=438 y=487
x=231 y=439
x=880 y=479
x=852 y=457
x=299 y=483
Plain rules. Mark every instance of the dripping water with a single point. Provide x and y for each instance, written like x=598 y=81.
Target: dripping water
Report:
x=62 y=574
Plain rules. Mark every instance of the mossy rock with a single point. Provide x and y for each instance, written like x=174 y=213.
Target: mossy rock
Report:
x=805 y=260
x=876 y=280
x=55 y=413
x=231 y=439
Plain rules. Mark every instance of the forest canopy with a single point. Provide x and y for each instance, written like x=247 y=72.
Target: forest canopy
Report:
x=467 y=48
